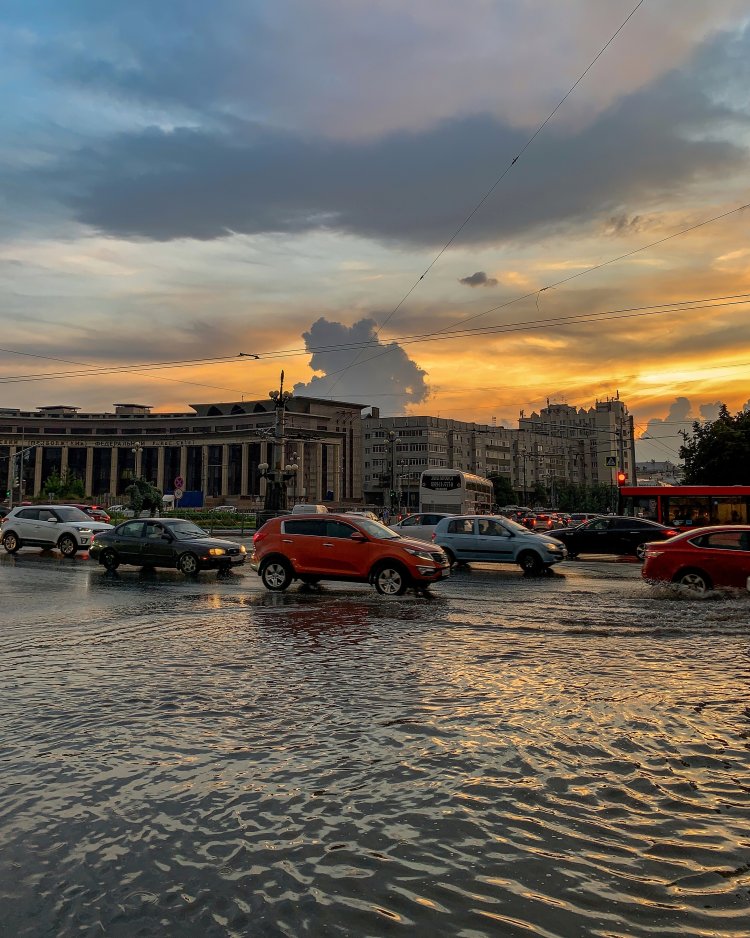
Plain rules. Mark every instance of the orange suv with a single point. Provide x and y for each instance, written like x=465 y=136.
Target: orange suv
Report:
x=312 y=548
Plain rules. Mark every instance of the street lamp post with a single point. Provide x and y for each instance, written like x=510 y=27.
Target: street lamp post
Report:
x=277 y=477
x=294 y=468
x=137 y=450
x=393 y=438
x=400 y=487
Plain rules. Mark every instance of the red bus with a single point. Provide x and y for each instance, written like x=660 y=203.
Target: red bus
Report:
x=686 y=506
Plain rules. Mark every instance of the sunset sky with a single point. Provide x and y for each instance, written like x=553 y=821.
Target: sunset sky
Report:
x=185 y=181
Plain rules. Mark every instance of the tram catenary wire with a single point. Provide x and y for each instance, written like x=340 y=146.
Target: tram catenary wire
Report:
x=502 y=175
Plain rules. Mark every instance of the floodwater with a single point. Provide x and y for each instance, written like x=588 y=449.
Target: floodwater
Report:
x=557 y=756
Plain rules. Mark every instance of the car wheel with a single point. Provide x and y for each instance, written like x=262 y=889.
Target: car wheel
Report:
x=530 y=562
x=390 y=579
x=188 y=564
x=276 y=575
x=640 y=551
x=67 y=545
x=109 y=559
x=11 y=543
x=694 y=580
x=451 y=557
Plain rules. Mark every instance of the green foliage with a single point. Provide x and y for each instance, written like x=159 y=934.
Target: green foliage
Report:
x=718 y=453
x=596 y=498
x=504 y=494
x=144 y=497
x=66 y=485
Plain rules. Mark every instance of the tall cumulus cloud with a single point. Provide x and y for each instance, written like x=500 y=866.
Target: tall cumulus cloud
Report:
x=358 y=366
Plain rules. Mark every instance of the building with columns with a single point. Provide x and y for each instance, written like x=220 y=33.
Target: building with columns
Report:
x=216 y=449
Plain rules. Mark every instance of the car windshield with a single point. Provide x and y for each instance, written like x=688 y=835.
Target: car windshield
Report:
x=514 y=526
x=378 y=530
x=183 y=530
x=69 y=513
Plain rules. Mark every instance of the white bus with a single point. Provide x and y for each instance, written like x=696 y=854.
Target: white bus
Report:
x=455 y=491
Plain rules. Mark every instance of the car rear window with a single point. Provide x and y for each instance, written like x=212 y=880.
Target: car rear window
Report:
x=726 y=540
x=312 y=527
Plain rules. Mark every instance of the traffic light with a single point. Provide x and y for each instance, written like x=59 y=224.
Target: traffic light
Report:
x=622 y=477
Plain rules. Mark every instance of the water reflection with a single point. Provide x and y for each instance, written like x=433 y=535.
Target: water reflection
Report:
x=563 y=756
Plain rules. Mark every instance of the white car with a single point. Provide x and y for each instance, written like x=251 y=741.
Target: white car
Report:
x=421 y=524
x=121 y=510
x=62 y=526
x=363 y=514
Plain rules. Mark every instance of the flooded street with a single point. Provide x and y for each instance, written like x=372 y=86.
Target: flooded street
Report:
x=557 y=756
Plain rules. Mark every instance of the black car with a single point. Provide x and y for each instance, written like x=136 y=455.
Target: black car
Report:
x=165 y=542
x=613 y=534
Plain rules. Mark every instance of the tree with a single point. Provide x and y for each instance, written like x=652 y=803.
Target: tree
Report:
x=66 y=485
x=718 y=453
x=503 y=490
x=144 y=497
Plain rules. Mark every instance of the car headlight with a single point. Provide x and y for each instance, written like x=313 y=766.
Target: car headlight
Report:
x=86 y=530
x=216 y=551
x=422 y=554
x=243 y=550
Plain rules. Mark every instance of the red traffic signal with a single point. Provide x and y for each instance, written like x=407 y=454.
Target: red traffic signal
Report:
x=622 y=477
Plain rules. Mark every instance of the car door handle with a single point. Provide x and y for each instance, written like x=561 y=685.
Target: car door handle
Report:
x=328 y=544
x=287 y=540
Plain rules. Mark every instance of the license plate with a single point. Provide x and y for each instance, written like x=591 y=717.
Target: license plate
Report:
x=238 y=559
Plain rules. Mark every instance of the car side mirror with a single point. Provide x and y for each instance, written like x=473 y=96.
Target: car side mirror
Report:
x=360 y=538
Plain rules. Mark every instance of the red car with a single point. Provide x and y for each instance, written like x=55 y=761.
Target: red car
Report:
x=94 y=512
x=702 y=559
x=319 y=547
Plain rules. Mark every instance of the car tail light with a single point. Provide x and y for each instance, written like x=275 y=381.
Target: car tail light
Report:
x=258 y=536
x=432 y=537
x=670 y=532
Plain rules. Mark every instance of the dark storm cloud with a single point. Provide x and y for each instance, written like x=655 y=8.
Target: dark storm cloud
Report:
x=381 y=373
x=405 y=187
x=479 y=279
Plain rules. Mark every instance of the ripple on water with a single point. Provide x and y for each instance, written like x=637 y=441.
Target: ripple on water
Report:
x=329 y=763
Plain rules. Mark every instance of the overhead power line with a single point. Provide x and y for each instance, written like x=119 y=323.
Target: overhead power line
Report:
x=658 y=309
x=580 y=273
x=504 y=173
x=87 y=371
x=522 y=326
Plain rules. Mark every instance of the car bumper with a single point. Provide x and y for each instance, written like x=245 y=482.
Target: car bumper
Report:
x=217 y=563
x=429 y=574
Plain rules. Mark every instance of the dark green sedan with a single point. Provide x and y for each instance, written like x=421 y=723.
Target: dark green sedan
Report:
x=165 y=542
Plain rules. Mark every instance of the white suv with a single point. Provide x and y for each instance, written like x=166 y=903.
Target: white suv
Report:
x=62 y=526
